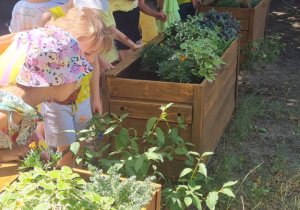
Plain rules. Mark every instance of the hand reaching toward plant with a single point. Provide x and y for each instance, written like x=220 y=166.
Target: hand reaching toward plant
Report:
x=15 y=154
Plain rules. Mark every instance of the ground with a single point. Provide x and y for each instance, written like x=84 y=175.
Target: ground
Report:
x=261 y=145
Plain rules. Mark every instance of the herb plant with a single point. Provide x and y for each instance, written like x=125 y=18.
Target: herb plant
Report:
x=56 y=189
x=152 y=54
x=128 y=194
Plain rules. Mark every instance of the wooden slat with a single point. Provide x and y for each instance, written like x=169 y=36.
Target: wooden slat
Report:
x=147 y=109
x=260 y=19
x=197 y=118
x=218 y=116
x=151 y=90
x=238 y=13
x=244 y=25
x=8 y=173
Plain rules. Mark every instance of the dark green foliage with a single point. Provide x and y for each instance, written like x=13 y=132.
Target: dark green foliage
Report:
x=175 y=71
x=226 y=26
x=152 y=54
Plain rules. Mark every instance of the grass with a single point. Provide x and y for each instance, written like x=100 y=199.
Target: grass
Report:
x=265 y=162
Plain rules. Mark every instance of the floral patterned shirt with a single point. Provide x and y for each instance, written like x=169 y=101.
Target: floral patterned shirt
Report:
x=17 y=132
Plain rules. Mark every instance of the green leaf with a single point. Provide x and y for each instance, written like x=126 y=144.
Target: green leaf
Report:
x=202 y=72
x=134 y=146
x=197 y=202
x=185 y=172
x=66 y=170
x=206 y=154
x=74 y=148
x=124 y=137
x=138 y=164
x=160 y=136
x=202 y=169
x=110 y=129
x=42 y=206
x=212 y=199
x=229 y=184
x=188 y=201
x=46 y=185
x=150 y=123
x=228 y=192
x=123 y=116
x=63 y=185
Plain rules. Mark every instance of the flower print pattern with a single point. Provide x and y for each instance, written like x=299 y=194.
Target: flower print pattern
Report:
x=53 y=57
x=17 y=133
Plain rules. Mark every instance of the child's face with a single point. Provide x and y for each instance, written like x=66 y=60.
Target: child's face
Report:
x=88 y=48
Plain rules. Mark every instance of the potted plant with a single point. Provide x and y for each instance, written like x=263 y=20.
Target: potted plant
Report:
x=252 y=14
x=205 y=107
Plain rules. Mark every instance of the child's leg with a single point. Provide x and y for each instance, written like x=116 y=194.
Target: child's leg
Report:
x=57 y=119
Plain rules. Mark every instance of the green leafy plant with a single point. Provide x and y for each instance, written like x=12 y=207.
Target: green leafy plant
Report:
x=262 y=51
x=128 y=193
x=152 y=54
x=190 y=191
x=237 y=3
x=54 y=189
x=32 y=159
x=176 y=70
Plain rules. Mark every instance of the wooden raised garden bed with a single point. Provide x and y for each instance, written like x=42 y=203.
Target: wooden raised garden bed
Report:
x=9 y=173
x=205 y=108
x=253 y=20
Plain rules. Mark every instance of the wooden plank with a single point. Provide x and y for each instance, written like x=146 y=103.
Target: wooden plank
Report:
x=151 y=90
x=244 y=25
x=218 y=116
x=238 y=13
x=260 y=19
x=197 y=118
x=8 y=173
x=146 y=109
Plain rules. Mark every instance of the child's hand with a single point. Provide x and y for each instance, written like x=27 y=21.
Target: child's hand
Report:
x=96 y=106
x=14 y=154
x=44 y=157
x=104 y=64
x=161 y=16
x=136 y=47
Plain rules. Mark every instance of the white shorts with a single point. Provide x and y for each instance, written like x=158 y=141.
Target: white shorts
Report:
x=59 y=118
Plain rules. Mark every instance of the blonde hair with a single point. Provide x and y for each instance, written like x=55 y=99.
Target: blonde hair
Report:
x=85 y=22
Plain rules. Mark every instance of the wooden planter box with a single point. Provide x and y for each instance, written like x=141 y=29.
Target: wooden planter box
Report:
x=205 y=108
x=252 y=20
x=8 y=174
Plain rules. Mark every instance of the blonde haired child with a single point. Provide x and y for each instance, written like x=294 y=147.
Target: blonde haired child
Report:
x=74 y=113
x=26 y=14
x=40 y=78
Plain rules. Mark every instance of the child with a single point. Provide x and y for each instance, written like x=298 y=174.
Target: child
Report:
x=126 y=14
x=171 y=10
x=187 y=7
x=147 y=23
x=79 y=23
x=26 y=14
x=75 y=112
x=48 y=59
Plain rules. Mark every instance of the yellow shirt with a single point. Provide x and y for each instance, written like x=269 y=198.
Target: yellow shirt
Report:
x=183 y=1
x=122 y=5
x=84 y=92
x=108 y=20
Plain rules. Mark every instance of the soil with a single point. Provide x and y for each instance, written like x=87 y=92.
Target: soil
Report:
x=276 y=143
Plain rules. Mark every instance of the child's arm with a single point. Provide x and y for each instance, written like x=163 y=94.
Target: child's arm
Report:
x=13 y=154
x=124 y=39
x=96 y=103
x=148 y=11
x=196 y=3
x=160 y=4
x=46 y=16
